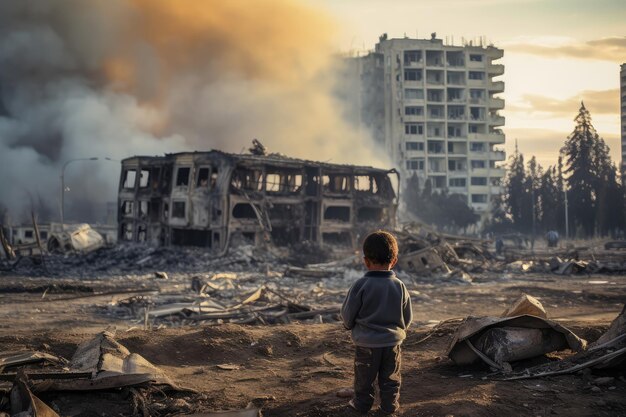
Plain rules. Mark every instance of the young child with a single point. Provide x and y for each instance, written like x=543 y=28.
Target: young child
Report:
x=378 y=311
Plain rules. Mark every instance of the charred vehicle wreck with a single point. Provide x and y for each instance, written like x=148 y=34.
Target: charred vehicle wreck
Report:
x=208 y=199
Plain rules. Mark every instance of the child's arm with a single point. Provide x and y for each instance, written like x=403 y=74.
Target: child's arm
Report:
x=407 y=307
x=350 y=308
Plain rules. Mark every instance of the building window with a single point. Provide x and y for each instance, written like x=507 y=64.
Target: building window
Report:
x=457 y=182
x=178 y=209
x=413 y=94
x=412 y=75
x=411 y=57
x=413 y=110
x=476 y=58
x=435 y=147
x=129 y=178
x=414 y=146
x=415 y=164
x=203 y=178
x=478 y=164
x=182 y=177
x=43 y=235
x=144 y=176
x=476 y=75
x=28 y=234
x=479 y=181
x=128 y=207
x=413 y=129
x=477 y=147
x=479 y=198
x=454 y=132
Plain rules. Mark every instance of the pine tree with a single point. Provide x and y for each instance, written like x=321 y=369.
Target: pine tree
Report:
x=592 y=179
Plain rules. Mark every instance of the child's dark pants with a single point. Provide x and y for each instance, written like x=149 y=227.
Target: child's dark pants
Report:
x=383 y=362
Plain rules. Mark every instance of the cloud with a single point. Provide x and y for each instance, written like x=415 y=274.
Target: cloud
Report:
x=607 y=49
x=596 y=101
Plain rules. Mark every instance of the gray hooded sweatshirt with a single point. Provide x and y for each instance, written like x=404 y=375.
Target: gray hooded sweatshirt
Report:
x=378 y=310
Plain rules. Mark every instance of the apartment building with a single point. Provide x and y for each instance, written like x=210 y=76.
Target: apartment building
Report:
x=440 y=115
x=623 y=115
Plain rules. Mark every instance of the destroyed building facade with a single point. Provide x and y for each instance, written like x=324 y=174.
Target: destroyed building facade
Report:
x=208 y=199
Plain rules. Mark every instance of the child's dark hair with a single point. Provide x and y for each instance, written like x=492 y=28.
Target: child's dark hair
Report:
x=380 y=247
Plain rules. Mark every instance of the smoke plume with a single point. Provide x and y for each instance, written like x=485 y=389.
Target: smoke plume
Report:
x=116 y=78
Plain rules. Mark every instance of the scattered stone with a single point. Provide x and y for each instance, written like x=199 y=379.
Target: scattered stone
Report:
x=606 y=380
x=345 y=393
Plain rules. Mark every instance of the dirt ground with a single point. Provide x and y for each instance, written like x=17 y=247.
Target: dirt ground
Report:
x=297 y=369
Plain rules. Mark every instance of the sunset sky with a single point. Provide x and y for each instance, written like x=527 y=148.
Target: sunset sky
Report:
x=557 y=53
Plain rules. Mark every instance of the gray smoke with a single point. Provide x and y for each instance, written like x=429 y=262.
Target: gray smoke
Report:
x=116 y=78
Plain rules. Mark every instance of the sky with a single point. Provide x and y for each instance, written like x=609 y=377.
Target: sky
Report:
x=556 y=53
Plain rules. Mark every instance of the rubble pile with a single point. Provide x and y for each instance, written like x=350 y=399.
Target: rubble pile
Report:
x=242 y=298
x=100 y=365
x=136 y=258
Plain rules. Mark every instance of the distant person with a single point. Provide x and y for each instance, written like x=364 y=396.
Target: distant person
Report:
x=499 y=246
x=553 y=238
x=378 y=311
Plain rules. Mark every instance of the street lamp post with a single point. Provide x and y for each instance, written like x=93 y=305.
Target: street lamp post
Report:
x=63 y=186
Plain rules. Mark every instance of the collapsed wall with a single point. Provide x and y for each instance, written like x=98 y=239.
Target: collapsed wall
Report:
x=210 y=199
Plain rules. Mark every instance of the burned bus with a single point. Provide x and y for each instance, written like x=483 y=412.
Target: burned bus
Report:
x=209 y=199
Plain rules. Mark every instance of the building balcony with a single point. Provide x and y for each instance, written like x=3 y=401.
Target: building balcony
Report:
x=495 y=69
x=436 y=172
x=457 y=174
x=496 y=189
x=497 y=155
x=496 y=120
x=494 y=53
x=496 y=103
x=475 y=64
x=496 y=86
x=457 y=190
x=480 y=101
x=413 y=118
x=479 y=189
x=488 y=172
x=476 y=83
x=414 y=64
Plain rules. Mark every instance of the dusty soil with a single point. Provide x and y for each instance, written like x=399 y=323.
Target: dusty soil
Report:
x=297 y=369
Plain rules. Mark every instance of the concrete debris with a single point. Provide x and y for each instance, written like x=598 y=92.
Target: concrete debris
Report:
x=231 y=299
x=101 y=363
x=526 y=304
x=76 y=237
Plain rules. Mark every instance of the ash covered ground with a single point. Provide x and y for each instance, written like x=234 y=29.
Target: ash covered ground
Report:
x=259 y=329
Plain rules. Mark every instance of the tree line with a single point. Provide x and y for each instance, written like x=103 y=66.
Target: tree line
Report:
x=582 y=194
x=534 y=198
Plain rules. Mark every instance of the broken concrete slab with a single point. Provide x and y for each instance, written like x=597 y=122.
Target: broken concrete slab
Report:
x=526 y=304
x=110 y=365
x=76 y=237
